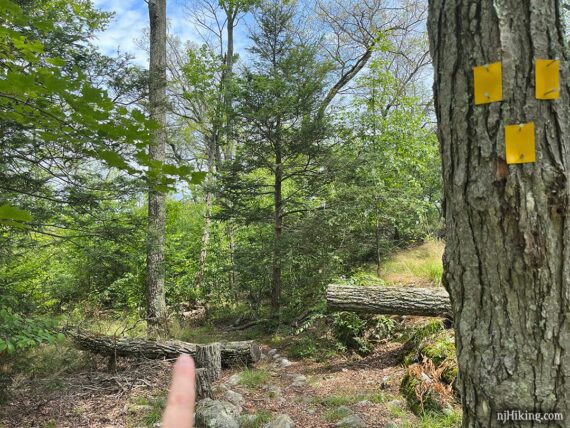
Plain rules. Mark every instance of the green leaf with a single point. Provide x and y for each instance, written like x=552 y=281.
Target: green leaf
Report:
x=58 y=62
x=198 y=177
x=8 y=212
x=182 y=170
x=113 y=159
x=138 y=115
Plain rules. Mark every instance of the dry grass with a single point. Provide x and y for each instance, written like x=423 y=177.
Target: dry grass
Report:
x=419 y=266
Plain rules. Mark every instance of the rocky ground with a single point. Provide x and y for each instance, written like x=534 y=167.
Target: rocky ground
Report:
x=349 y=391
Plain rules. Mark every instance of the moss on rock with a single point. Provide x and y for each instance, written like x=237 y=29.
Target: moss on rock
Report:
x=439 y=347
x=431 y=370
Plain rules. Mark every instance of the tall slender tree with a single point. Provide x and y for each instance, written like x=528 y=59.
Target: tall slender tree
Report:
x=507 y=257
x=156 y=305
x=283 y=137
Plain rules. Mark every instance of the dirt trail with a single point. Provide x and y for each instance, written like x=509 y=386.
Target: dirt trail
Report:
x=133 y=395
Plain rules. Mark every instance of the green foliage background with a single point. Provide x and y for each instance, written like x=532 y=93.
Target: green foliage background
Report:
x=74 y=171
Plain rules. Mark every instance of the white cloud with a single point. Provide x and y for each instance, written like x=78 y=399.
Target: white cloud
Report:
x=125 y=28
x=130 y=22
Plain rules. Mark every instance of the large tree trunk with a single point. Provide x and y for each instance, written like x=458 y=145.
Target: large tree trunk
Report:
x=430 y=302
x=507 y=260
x=156 y=306
x=230 y=148
x=205 y=239
x=232 y=354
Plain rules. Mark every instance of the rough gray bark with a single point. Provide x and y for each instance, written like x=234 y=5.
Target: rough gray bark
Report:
x=507 y=261
x=210 y=357
x=232 y=9
x=232 y=354
x=156 y=305
x=431 y=302
x=206 y=231
x=203 y=384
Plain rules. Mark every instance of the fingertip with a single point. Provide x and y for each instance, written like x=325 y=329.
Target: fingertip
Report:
x=184 y=364
x=185 y=360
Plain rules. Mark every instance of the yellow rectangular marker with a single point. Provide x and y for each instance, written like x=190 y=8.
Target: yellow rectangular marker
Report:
x=547 y=76
x=488 y=83
x=519 y=143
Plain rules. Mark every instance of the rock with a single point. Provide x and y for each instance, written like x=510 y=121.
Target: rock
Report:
x=395 y=403
x=272 y=352
x=344 y=370
x=220 y=389
x=273 y=391
x=344 y=410
x=281 y=421
x=216 y=414
x=351 y=421
x=137 y=408
x=284 y=362
x=390 y=425
x=306 y=399
x=363 y=403
x=233 y=380
x=276 y=356
x=296 y=377
x=298 y=384
x=235 y=398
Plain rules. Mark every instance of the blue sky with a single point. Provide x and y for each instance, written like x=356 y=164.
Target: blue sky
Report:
x=131 y=19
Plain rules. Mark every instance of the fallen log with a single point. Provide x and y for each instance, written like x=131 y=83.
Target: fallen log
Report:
x=382 y=300
x=244 y=353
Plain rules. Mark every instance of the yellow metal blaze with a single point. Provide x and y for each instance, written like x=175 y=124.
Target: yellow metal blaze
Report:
x=519 y=143
x=547 y=75
x=488 y=83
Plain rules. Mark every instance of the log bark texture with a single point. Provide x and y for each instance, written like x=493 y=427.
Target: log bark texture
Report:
x=432 y=302
x=203 y=384
x=210 y=357
x=507 y=255
x=232 y=354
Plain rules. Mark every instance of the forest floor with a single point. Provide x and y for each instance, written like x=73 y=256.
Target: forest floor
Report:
x=59 y=386
x=83 y=393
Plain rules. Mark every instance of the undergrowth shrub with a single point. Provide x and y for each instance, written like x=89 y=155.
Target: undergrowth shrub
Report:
x=361 y=334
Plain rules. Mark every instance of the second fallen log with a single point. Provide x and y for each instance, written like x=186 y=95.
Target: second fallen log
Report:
x=388 y=300
x=233 y=354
